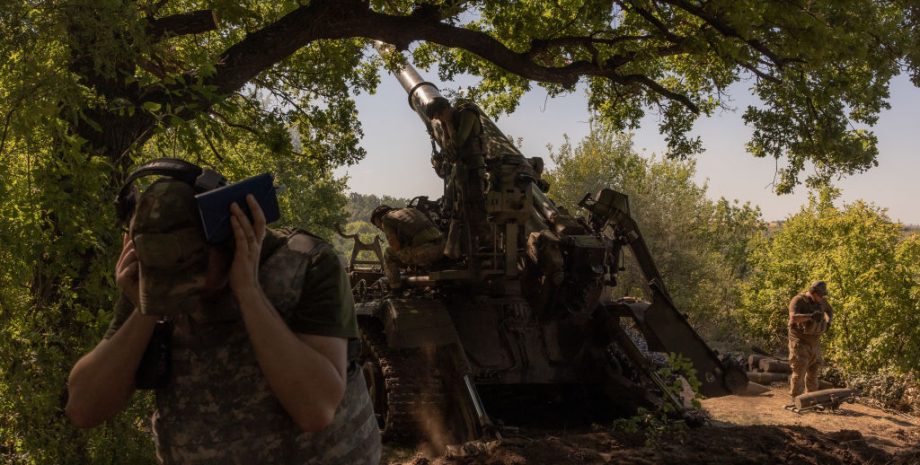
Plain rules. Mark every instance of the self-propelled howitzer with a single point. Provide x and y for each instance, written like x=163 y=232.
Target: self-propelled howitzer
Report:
x=517 y=303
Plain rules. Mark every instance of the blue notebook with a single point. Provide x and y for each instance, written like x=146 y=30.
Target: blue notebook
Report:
x=214 y=205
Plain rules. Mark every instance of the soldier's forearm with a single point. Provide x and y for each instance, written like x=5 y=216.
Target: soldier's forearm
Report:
x=308 y=378
x=102 y=381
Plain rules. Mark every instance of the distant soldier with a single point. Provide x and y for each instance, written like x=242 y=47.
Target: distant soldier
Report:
x=809 y=317
x=413 y=239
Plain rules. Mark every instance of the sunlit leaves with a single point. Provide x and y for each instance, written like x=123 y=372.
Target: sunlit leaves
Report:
x=872 y=280
x=700 y=246
x=821 y=68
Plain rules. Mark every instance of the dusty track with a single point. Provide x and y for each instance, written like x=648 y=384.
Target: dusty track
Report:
x=888 y=431
x=755 y=430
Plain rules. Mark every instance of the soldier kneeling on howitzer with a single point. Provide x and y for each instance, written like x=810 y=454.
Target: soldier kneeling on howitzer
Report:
x=810 y=316
x=413 y=239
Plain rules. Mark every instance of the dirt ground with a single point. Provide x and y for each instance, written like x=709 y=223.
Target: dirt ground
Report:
x=748 y=429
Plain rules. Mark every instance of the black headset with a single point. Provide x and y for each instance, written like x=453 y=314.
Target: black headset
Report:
x=201 y=179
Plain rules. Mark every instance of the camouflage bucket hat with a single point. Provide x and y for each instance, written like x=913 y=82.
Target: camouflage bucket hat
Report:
x=171 y=248
x=818 y=287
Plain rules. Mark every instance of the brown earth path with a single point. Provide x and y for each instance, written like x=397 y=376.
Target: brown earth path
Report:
x=886 y=430
x=743 y=430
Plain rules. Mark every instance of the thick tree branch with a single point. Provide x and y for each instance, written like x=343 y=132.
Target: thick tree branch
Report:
x=539 y=46
x=325 y=19
x=194 y=22
x=341 y=19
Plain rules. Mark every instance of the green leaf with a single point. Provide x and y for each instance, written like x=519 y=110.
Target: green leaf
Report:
x=152 y=106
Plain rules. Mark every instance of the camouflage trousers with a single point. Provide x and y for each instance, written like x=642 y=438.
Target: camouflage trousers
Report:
x=805 y=361
x=419 y=255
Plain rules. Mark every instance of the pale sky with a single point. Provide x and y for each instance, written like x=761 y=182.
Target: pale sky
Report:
x=398 y=149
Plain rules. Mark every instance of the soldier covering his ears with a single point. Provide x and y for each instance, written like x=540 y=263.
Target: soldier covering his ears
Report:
x=261 y=371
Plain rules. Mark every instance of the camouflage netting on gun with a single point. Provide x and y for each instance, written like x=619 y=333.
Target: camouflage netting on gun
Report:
x=901 y=393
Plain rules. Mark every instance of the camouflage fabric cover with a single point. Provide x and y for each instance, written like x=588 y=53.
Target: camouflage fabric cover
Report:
x=457 y=132
x=805 y=361
x=218 y=407
x=170 y=246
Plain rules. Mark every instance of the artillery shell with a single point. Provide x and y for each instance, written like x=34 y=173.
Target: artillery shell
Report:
x=754 y=361
x=827 y=396
x=767 y=378
x=775 y=366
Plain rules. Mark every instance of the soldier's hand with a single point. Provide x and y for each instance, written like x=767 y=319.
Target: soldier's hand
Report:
x=248 y=237
x=127 y=272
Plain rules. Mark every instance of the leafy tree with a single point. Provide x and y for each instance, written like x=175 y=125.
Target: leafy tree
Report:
x=360 y=206
x=57 y=289
x=112 y=74
x=700 y=246
x=872 y=276
x=359 y=210
x=89 y=89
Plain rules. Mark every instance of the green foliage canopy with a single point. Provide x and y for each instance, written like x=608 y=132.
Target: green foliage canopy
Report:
x=873 y=280
x=699 y=245
x=111 y=74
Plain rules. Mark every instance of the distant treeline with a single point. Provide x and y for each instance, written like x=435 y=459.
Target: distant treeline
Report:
x=358 y=209
x=360 y=206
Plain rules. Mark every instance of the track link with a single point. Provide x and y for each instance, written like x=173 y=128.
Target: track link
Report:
x=412 y=403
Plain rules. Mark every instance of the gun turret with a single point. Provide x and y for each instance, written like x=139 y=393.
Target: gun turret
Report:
x=517 y=301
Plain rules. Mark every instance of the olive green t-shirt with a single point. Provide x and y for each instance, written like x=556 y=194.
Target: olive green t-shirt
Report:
x=326 y=306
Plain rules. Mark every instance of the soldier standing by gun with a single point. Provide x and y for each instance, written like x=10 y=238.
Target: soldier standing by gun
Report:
x=809 y=317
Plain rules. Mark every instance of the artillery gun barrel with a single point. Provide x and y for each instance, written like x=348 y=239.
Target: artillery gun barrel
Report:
x=424 y=97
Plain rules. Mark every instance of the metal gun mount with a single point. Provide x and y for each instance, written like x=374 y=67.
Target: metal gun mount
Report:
x=517 y=305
